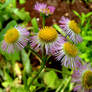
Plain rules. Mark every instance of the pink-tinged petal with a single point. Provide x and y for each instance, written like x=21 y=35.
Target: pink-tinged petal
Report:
x=64 y=24
x=77 y=78
x=52 y=9
x=4 y=45
x=77 y=87
x=20 y=43
x=40 y=6
x=43 y=8
x=10 y=49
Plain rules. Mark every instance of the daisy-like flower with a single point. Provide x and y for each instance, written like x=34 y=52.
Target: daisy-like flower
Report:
x=71 y=28
x=67 y=53
x=15 y=39
x=43 y=8
x=83 y=79
x=46 y=37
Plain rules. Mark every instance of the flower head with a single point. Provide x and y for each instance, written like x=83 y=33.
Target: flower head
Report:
x=83 y=79
x=43 y=8
x=67 y=53
x=15 y=38
x=71 y=28
x=47 y=37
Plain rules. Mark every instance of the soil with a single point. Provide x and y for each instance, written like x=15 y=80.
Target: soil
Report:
x=62 y=9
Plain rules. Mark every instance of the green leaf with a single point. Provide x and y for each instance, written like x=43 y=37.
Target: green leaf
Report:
x=1 y=25
x=26 y=61
x=18 y=89
x=32 y=88
x=51 y=79
x=82 y=46
x=30 y=78
x=14 y=56
x=22 y=14
x=35 y=25
x=65 y=72
x=77 y=14
x=88 y=14
x=1 y=90
x=5 y=84
x=14 y=3
x=7 y=77
x=22 y=1
x=89 y=38
x=89 y=32
x=83 y=18
x=6 y=4
x=85 y=57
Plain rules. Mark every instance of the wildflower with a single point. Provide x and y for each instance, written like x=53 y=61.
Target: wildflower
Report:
x=67 y=53
x=46 y=37
x=71 y=29
x=15 y=38
x=43 y=8
x=83 y=79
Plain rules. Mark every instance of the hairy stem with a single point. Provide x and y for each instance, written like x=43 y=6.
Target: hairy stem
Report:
x=44 y=59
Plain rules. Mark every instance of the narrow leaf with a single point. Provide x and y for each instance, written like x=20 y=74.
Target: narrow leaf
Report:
x=22 y=1
x=35 y=25
x=26 y=61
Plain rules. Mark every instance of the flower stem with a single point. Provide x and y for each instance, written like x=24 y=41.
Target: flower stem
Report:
x=25 y=81
x=44 y=59
x=69 y=74
x=66 y=84
x=61 y=31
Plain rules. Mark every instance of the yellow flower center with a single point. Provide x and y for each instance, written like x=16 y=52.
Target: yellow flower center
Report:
x=70 y=49
x=87 y=79
x=46 y=10
x=47 y=34
x=11 y=35
x=74 y=27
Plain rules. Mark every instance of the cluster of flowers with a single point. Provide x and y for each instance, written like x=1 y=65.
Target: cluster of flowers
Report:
x=54 y=44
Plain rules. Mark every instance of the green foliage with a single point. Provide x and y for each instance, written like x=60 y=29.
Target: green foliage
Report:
x=22 y=1
x=26 y=61
x=83 y=18
x=51 y=79
x=65 y=72
x=18 y=89
x=35 y=25
x=8 y=80
x=8 y=11
x=86 y=33
x=21 y=14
